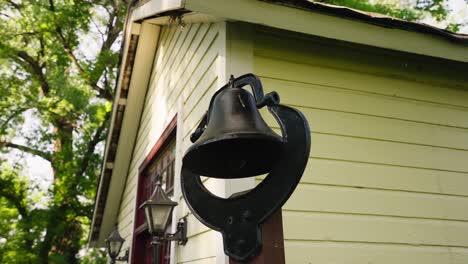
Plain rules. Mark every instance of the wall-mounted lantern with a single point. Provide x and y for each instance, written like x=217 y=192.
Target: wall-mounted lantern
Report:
x=114 y=245
x=158 y=210
x=233 y=141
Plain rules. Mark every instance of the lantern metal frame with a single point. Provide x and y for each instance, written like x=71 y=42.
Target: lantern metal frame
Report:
x=160 y=198
x=116 y=237
x=239 y=218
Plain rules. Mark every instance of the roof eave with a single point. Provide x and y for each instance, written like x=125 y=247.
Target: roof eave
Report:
x=340 y=23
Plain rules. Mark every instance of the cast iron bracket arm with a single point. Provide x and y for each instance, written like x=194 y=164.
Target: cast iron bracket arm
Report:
x=261 y=99
x=200 y=129
x=124 y=257
x=181 y=233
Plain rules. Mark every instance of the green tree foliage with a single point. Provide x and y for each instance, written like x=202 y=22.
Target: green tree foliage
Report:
x=411 y=10
x=58 y=64
x=381 y=8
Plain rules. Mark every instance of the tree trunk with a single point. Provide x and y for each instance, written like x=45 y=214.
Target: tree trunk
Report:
x=63 y=232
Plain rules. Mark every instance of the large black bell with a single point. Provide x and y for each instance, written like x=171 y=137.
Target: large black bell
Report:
x=237 y=142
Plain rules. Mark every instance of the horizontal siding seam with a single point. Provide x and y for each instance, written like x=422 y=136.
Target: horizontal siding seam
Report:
x=389 y=140
x=401 y=98
x=211 y=64
x=379 y=116
x=199 y=233
x=147 y=128
x=197 y=259
x=198 y=101
x=177 y=84
x=376 y=243
x=386 y=164
x=385 y=189
x=400 y=217
x=256 y=55
x=184 y=68
x=385 y=140
x=160 y=70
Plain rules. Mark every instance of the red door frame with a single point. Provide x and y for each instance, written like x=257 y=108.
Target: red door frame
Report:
x=163 y=141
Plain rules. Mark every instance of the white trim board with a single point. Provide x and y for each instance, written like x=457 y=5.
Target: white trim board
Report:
x=328 y=26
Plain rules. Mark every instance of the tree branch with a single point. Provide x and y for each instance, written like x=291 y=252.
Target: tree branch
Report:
x=68 y=49
x=36 y=70
x=92 y=145
x=93 y=83
x=36 y=152
x=15 y=5
x=10 y=196
x=15 y=197
x=9 y=118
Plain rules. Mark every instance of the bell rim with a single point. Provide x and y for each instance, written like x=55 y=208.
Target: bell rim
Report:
x=193 y=151
x=237 y=135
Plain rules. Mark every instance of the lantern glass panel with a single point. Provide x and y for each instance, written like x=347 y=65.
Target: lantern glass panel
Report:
x=149 y=219
x=160 y=216
x=114 y=248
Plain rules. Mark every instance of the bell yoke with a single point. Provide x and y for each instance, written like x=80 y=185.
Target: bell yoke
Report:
x=233 y=141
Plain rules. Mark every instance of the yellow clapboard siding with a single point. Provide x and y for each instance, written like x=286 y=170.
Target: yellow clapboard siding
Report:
x=184 y=50
x=185 y=68
x=207 y=84
x=336 y=199
x=177 y=51
x=359 y=253
x=200 y=246
x=192 y=89
x=126 y=208
x=173 y=48
x=188 y=52
x=204 y=76
x=383 y=152
x=365 y=150
x=393 y=75
x=388 y=165
x=196 y=66
x=322 y=97
x=150 y=134
x=126 y=217
x=185 y=64
x=336 y=172
x=193 y=118
x=375 y=229
x=167 y=69
x=130 y=187
x=195 y=69
x=164 y=50
x=161 y=51
x=205 y=35
x=208 y=260
x=358 y=125
x=196 y=227
x=161 y=73
x=364 y=60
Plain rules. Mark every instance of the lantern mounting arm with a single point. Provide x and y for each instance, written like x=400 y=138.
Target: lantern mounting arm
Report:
x=181 y=233
x=261 y=100
x=124 y=257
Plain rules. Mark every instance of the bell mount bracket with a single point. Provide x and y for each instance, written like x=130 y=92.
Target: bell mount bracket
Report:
x=239 y=218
